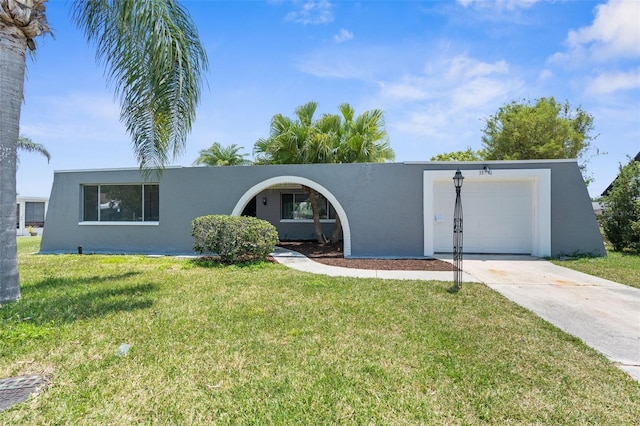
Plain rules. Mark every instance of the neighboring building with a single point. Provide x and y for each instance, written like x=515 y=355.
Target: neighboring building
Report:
x=606 y=191
x=597 y=208
x=31 y=212
x=540 y=208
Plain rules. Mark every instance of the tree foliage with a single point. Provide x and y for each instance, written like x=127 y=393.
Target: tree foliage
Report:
x=466 y=155
x=26 y=144
x=544 y=129
x=332 y=138
x=234 y=238
x=154 y=59
x=217 y=155
x=621 y=215
x=152 y=56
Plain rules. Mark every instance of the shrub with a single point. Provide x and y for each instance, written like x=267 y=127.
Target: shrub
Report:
x=234 y=239
x=621 y=215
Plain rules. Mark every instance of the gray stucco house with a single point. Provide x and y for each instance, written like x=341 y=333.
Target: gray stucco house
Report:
x=540 y=208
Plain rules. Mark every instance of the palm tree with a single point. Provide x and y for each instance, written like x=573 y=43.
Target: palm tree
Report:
x=332 y=138
x=154 y=59
x=26 y=144
x=217 y=155
x=297 y=141
x=362 y=139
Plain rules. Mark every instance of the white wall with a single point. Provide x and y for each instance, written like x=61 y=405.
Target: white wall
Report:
x=22 y=200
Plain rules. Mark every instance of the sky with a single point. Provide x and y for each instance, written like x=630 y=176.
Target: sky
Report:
x=438 y=70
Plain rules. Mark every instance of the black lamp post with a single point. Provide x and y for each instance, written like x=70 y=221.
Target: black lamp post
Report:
x=457 y=232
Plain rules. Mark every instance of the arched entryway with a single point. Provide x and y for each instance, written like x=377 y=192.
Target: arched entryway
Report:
x=256 y=189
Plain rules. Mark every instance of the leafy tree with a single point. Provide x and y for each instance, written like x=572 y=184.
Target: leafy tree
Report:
x=217 y=155
x=333 y=138
x=26 y=144
x=152 y=55
x=544 y=129
x=621 y=215
x=466 y=155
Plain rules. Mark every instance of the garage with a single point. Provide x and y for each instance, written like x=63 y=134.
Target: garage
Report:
x=503 y=213
x=497 y=216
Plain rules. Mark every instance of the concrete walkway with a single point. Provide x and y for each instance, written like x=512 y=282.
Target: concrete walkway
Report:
x=603 y=314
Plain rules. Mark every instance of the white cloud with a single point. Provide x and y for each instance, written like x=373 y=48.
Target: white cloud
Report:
x=409 y=89
x=311 y=12
x=440 y=100
x=545 y=74
x=455 y=76
x=342 y=36
x=613 y=82
x=326 y=66
x=345 y=62
x=75 y=118
x=465 y=67
x=449 y=98
x=498 y=4
x=615 y=33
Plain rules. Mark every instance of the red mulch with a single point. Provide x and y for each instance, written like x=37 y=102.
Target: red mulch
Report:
x=331 y=254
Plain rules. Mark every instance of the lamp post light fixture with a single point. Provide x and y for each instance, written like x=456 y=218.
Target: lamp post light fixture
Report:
x=457 y=232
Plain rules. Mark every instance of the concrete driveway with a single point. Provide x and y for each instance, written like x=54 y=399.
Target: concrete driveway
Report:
x=603 y=314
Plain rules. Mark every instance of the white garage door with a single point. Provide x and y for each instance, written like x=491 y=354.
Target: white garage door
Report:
x=498 y=216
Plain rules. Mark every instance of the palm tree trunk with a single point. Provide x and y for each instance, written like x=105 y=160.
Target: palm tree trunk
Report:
x=316 y=215
x=336 y=236
x=13 y=46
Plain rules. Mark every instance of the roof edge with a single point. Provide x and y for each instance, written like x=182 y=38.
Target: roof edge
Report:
x=556 y=160
x=113 y=169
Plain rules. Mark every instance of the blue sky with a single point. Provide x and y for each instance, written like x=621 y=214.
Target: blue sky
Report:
x=436 y=68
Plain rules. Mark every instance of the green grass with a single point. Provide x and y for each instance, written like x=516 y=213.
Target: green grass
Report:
x=621 y=267
x=262 y=344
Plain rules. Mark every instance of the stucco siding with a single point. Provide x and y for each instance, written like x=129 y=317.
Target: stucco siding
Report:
x=382 y=202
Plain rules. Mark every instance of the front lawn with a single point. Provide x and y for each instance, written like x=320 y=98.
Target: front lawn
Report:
x=621 y=267
x=263 y=344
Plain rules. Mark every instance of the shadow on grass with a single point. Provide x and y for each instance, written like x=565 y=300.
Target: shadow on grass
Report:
x=216 y=263
x=55 y=282
x=64 y=300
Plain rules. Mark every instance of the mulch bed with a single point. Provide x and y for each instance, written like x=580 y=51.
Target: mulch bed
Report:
x=331 y=254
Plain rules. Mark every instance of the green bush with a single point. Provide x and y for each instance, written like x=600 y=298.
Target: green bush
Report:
x=621 y=215
x=234 y=239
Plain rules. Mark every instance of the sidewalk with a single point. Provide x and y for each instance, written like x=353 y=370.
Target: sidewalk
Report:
x=605 y=315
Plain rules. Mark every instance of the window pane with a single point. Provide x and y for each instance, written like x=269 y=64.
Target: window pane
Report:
x=298 y=206
x=151 y=203
x=90 y=203
x=34 y=214
x=18 y=215
x=322 y=207
x=302 y=207
x=287 y=206
x=120 y=203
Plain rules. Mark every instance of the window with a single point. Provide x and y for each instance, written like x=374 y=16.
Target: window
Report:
x=297 y=206
x=18 y=216
x=34 y=214
x=120 y=203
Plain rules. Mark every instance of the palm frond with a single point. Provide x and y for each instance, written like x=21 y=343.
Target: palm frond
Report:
x=153 y=57
x=26 y=144
x=217 y=155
